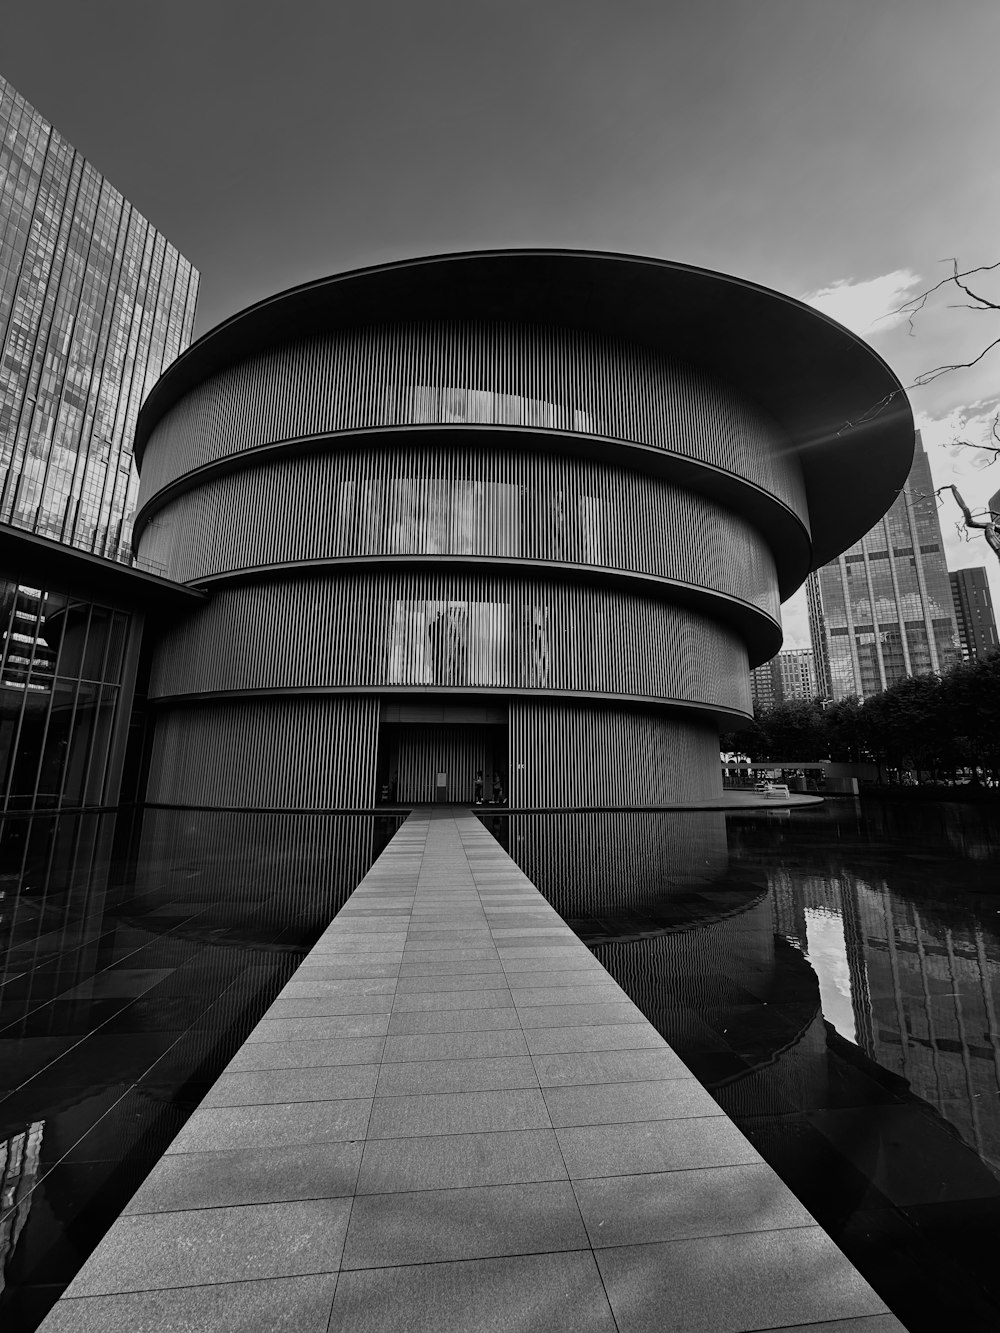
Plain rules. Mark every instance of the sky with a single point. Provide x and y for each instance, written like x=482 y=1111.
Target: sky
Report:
x=839 y=151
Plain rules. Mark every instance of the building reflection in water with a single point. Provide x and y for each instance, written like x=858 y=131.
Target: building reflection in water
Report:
x=837 y=997
x=918 y=994
x=134 y=960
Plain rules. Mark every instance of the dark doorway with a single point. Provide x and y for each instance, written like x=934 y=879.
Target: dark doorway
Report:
x=429 y=754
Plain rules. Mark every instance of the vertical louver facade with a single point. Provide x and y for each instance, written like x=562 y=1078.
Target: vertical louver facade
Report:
x=465 y=525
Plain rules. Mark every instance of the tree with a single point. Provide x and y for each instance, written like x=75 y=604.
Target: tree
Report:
x=986 y=521
x=846 y=731
x=792 y=730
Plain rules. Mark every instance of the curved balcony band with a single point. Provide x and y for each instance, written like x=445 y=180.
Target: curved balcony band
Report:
x=440 y=633
x=452 y=503
x=545 y=379
x=528 y=514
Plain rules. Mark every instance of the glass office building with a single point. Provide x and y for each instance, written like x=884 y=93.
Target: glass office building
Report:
x=94 y=304
x=977 y=626
x=788 y=676
x=883 y=610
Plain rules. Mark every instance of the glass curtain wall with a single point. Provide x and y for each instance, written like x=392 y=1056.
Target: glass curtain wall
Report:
x=94 y=304
x=61 y=664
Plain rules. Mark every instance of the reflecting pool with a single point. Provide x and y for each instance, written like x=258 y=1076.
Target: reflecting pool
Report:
x=135 y=957
x=832 y=975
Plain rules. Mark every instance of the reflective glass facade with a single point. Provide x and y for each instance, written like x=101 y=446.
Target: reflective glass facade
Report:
x=62 y=674
x=977 y=627
x=883 y=610
x=94 y=303
x=789 y=675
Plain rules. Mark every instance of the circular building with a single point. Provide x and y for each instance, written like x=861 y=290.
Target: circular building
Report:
x=521 y=518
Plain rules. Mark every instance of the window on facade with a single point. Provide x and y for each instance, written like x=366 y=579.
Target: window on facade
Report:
x=55 y=724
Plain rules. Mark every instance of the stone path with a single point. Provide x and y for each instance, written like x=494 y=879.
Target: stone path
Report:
x=452 y=1119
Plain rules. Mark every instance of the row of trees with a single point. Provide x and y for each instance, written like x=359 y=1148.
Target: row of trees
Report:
x=937 y=727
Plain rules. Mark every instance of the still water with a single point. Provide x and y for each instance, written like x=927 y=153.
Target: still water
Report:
x=832 y=974
x=134 y=960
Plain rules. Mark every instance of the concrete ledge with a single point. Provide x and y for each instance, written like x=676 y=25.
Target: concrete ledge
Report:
x=452 y=1118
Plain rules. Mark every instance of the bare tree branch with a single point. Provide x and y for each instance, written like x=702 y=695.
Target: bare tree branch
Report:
x=921 y=300
x=970 y=523
x=986 y=525
x=928 y=376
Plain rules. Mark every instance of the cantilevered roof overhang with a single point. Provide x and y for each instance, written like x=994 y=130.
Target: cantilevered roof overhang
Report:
x=845 y=413
x=40 y=562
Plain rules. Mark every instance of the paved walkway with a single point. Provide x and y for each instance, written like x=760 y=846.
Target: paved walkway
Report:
x=452 y=1119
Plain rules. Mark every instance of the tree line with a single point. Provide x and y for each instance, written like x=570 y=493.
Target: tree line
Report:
x=938 y=728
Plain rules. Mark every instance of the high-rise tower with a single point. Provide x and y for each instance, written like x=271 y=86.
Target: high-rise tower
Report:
x=883 y=610
x=977 y=628
x=94 y=304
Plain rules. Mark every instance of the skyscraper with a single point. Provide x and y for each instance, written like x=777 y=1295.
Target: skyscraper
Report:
x=94 y=303
x=977 y=628
x=883 y=610
x=789 y=675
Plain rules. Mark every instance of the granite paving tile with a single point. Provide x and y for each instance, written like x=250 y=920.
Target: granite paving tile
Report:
x=358 y=946
x=672 y=1205
x=594 y=1037
x=459 y=1160
x=598 y=991
x=454 y=999
x=335 y=1004
x=872 y=1323
x=454 y=1046
x=473 y=968
x=569 y=1015
x=533 y=1292
x=192 y=1248
x=432 y=953
x=328 y=1083
x=320 y=1029
x=615 y=1104
x=218 y=1128
x=364 y=968
x=246 y=1176
x=560 y=978
x=306 y=1054
x=359 y=969
x=331 y=1006
x=615 y=1066
x=279 y=1305
x=727 y=1284
x=467 y=1074
x=439 y=983
x=542 y=950
x=477 y=1222
x=457 y=1113
x=654 y=1145
x=529 y=968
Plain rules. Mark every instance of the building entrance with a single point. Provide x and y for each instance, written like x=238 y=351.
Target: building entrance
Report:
x=424 y=759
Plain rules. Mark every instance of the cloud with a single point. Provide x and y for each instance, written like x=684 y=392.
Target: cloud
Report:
x=795 y=621
x=867 y=307
x=965 y=434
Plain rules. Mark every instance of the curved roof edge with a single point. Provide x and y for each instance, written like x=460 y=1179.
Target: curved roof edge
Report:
x=846 y=414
